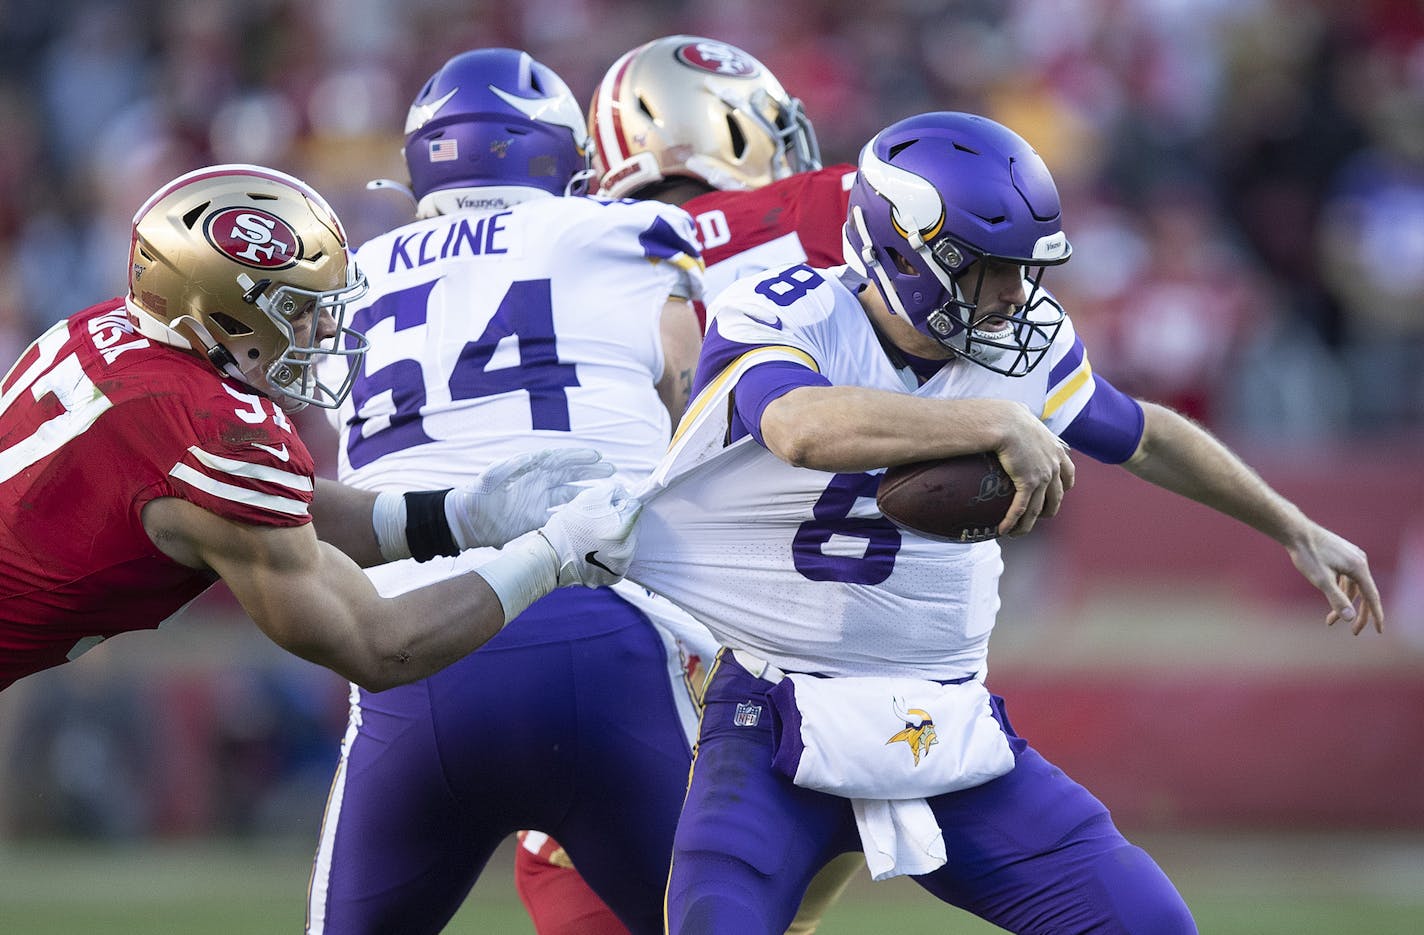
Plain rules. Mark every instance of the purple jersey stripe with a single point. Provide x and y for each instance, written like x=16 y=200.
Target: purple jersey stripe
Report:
x=1110 y=425
x=717 y=352
x=661 y=241
x=1067 y=365
x=762 y=385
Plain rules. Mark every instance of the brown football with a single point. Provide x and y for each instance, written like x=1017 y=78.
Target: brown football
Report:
x=959 y=499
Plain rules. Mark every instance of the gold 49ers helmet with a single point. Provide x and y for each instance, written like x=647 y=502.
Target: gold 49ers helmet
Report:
x=249 y=267
x=697 y=108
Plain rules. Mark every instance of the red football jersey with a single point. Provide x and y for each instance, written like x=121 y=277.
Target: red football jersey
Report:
x=95 y=421
x=795 y=220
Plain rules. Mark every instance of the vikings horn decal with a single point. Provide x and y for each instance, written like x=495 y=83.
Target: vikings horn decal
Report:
x=919 y=730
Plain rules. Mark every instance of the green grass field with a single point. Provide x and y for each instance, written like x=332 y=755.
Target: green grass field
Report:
x=1237 y=884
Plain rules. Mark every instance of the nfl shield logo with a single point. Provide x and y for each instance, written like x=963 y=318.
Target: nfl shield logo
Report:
x=747 y=715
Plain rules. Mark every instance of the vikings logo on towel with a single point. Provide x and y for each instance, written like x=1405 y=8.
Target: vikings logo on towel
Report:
x=919 y=730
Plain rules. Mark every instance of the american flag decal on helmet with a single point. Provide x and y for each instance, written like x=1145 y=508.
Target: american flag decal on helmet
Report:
x=444 y=150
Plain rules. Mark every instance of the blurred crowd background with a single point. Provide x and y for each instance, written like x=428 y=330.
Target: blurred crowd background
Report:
x=1243 y=179
x=1243 y=184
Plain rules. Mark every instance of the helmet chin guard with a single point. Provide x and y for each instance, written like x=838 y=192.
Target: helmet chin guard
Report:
x=934 y=198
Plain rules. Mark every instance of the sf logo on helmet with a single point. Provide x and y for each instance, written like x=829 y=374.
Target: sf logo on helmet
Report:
x=254 y=237
x=717 y=57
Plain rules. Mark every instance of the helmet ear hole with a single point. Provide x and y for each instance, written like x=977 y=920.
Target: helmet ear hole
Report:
x=233 y=327
x=739 y=139
x=902 y=263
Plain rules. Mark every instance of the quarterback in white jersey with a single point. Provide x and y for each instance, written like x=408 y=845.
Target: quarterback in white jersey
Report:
x=849 y=710
x=695 y=122
x=817 y=567
x=515 y=314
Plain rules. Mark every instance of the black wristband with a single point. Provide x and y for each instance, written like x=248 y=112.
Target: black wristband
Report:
x=427 y=532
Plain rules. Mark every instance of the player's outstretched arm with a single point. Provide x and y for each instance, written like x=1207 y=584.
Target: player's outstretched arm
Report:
x=313 y=601
x=1181 y=456
x=506 y=500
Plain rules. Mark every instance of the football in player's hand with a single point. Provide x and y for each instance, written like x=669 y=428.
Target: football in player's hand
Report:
x=959 y=499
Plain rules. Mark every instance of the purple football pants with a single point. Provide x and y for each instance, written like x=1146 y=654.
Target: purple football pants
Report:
x=563 y=723
x=1031 y=851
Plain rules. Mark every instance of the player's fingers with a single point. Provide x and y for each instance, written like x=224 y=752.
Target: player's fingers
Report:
x=1024 y=525
x=561 y=494
x=564 y=465
x=1352 y=594
x=1016 y=510
x=583 y=464
x=1370 y=614
x=1067 y=470
x=1371 y=607
x=1053 y=498
x=1365 y=597
x=1341 y=606
x=498 y=473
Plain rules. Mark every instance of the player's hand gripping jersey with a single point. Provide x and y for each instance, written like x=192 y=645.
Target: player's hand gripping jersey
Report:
x=797 y=565
x=95 y=422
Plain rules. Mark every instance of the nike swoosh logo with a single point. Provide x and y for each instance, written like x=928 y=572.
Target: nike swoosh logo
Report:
x=772 y=321
x=592 y=559
x=280 y=452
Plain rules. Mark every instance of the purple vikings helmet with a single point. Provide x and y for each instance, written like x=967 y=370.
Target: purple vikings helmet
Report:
x=936 y=193
x=494 y=119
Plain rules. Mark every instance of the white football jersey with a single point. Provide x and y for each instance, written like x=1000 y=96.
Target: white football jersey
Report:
x=502 y=331
x=799 y=566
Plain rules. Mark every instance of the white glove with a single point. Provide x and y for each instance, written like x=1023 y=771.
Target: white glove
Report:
x=594 y=535
x=515 y=496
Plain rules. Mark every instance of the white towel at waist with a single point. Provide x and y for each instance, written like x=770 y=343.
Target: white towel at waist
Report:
x=900 y=837
x=886 y=738
x=887 y=744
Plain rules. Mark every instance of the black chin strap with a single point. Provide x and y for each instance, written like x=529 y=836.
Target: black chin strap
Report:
x=221 y=358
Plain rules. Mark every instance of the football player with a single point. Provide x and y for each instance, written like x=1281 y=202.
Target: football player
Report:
x=515 y=313
x=145 y=451
x=700 y=123
x=849 y=711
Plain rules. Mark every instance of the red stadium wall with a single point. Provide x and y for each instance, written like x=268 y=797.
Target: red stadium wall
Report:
x=1188 y=749
x=1114 y=527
